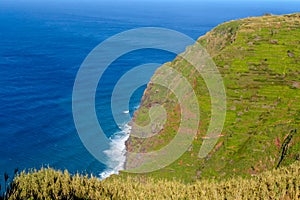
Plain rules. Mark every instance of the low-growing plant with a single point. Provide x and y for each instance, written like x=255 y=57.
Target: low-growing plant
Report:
x=47 y=183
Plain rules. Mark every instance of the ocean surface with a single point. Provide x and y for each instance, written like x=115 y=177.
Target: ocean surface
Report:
x=42 y=45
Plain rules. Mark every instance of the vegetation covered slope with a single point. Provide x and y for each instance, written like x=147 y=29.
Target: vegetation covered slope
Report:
x=259 y=60
x=283 y=183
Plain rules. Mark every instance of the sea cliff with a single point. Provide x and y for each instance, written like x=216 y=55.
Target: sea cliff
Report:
x=259 y=61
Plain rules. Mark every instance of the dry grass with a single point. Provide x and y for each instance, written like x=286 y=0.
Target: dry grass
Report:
x=283 y=183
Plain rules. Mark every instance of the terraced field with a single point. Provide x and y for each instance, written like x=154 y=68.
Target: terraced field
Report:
x=259 y=60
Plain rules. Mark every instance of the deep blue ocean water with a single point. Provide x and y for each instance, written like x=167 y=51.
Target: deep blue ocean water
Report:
x=42 y=45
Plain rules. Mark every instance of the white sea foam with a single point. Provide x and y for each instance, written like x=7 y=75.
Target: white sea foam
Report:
x=116 y=152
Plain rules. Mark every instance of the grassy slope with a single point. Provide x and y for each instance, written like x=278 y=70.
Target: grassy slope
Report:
x=259 y=59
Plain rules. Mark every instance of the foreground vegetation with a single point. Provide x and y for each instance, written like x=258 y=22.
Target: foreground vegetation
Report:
x=282 y=183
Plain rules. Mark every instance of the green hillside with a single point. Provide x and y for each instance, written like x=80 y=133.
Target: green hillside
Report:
x=259 y=60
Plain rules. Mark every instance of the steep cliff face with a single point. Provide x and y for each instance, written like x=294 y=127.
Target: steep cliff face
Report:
x=259 y=60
